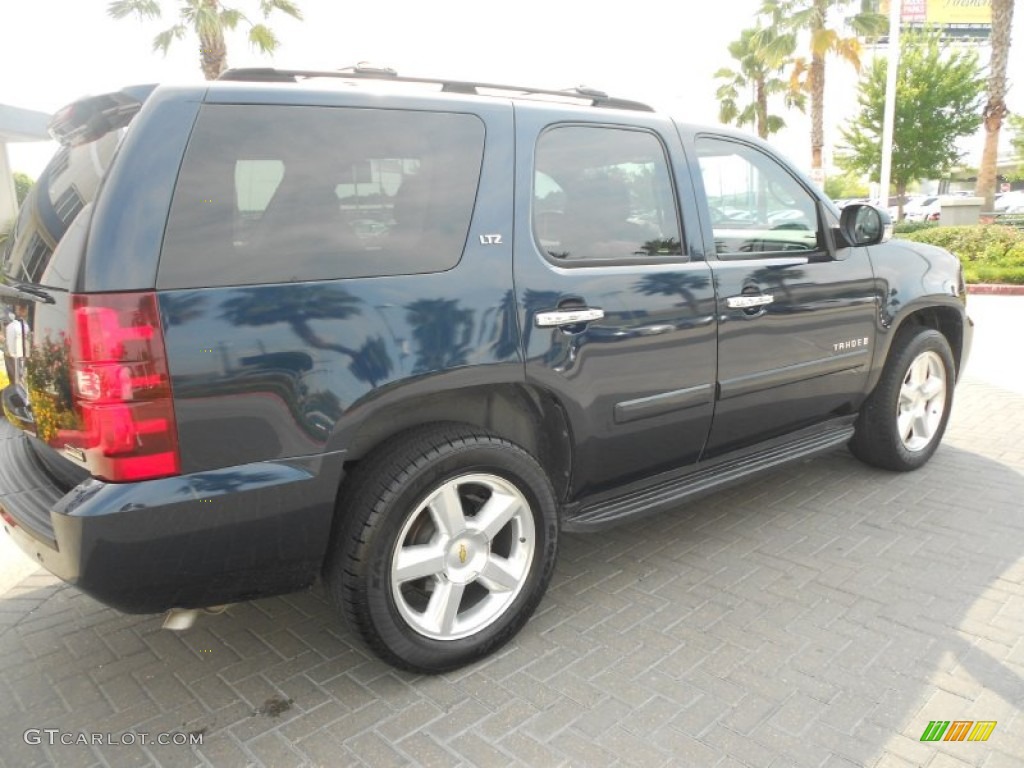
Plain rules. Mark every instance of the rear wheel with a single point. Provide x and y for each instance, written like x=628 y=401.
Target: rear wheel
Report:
x=902 y=422
x=448 y=543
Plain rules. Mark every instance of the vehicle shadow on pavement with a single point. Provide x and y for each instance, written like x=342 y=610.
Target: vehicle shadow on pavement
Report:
x=824 y=611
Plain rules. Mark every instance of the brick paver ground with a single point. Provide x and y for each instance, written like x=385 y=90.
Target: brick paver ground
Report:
x=821 y=615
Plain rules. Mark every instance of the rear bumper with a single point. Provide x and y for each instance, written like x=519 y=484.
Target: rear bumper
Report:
x=192 y=541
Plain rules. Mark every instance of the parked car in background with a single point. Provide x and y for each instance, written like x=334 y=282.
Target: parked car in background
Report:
x=1010 y=202
x=925 y=208
x=842 y=202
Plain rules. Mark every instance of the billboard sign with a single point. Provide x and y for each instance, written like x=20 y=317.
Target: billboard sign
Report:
x=967 y=18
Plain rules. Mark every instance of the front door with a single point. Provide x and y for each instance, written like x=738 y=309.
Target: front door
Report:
x=796 y=323
x=615 y=305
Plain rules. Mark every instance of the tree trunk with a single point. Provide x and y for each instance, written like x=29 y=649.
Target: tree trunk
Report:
x=995 y=108
x=817 y=83
x=761 y=108
x=901 y=192
x=213 y=51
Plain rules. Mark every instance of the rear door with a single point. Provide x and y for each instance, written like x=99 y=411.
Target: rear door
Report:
x=796 y=322
x=615 y=298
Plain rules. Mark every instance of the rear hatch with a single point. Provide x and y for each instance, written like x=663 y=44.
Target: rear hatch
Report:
x=65 y=352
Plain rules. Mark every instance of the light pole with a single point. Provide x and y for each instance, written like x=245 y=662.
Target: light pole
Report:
x=889 y=116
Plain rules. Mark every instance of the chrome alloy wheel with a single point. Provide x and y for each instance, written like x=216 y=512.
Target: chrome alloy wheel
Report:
x=922 y=401
x=463 y=556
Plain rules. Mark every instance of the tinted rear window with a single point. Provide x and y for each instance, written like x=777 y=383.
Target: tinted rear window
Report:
x=284 y=193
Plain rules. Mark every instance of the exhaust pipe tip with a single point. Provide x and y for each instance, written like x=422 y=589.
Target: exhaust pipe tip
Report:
x=180 y=619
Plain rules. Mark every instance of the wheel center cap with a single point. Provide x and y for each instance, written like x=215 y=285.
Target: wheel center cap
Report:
x=917 y=400
x=465 y=559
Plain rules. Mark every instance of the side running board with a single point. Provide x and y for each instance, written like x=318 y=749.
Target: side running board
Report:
x=670 y=493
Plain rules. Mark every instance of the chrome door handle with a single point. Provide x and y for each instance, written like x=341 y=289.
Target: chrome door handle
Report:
x=559 y=317
x=746 y=302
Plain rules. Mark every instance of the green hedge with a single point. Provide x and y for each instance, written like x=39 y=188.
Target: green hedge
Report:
x=906 y=227
x=989 y=253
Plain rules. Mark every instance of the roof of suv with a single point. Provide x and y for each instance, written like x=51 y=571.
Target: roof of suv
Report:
x=580 y=96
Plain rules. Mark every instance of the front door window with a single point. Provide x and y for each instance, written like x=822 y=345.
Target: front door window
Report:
x=756 y=206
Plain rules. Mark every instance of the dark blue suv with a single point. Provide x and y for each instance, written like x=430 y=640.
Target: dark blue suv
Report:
x=400 y=333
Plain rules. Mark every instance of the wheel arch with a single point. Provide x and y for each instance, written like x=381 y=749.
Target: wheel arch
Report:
x=523 y=415
x=947 y=320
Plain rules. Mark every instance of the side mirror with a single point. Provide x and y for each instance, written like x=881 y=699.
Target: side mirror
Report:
x=862 y=224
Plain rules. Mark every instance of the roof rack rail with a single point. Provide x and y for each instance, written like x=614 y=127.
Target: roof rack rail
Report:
x=364 y=72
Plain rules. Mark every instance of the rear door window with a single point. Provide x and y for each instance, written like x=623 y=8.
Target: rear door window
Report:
x=603 y=193
x=287 y=193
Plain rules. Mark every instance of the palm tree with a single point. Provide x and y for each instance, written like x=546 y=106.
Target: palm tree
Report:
x=208 y=19
x=761 y=55
x=995 y=108
x=795 y=16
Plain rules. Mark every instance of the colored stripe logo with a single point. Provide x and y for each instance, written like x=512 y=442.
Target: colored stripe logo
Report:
x=958 y=730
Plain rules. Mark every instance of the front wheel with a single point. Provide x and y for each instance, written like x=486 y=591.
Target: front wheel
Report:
x=903 y=420
x=448 y=543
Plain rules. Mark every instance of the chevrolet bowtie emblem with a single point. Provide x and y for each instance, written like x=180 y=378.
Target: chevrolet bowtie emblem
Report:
x=462 y=553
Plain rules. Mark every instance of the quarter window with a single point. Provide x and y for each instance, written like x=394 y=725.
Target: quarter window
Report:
x=604 y=193
x=756 y=206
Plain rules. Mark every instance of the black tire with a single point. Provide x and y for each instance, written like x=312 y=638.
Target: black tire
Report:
x=382 y=511
x=879 y=439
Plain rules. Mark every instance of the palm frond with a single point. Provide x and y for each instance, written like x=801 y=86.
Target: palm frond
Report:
x=748 y=115
x=823 y=41
x=144 y=9
x=776 y=48
x=849 y=49
x=868 y=24
x=229 y=18
x=798 y=75
x=727 y=111
x=796 y=100
x=262 y=37
x=788 y=15
x=736 y=79
x=285 y=6
x=727 y=92
x=162 y=42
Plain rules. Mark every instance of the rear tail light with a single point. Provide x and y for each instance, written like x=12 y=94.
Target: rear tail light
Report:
x=121 y=388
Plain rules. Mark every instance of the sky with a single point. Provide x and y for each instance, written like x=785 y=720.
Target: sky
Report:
x=55 y=51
